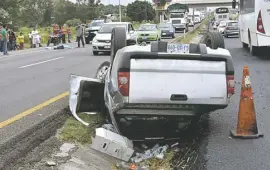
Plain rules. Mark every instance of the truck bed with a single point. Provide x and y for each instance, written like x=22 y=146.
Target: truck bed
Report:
x=176 y=81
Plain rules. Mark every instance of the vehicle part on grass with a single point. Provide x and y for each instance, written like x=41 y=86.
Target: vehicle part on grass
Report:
x=214 y=40
x=118 y=41
x=79 y=97
x=247 y=124
x=156 y=152
x=112 y=144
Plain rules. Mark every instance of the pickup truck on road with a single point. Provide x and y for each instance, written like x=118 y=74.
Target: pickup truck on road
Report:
x=153 y=92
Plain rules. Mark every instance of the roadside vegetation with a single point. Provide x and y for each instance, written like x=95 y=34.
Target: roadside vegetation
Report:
x=75 y=132
x=194 y=33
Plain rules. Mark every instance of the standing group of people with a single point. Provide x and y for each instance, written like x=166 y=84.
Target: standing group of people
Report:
x=8 y=40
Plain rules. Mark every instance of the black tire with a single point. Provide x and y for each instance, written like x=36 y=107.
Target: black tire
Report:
x=95 y=52
x=214 y=40
x=118 y=41
x=252 y=49
x=244 y=45
x=102 y=71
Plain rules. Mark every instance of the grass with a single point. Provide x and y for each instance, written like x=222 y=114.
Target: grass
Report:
x=193 y=34
x=75 y=132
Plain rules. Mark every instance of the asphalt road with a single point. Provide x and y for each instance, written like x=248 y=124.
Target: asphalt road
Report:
x=218 y=150
x=33 y=76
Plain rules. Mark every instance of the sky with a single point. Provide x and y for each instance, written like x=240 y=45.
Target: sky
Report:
x=115 y=2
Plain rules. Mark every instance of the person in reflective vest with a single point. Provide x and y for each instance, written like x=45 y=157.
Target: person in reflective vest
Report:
x=69 y=34
x=64 y=31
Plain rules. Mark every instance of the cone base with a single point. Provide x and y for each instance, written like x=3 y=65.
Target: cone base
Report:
x=235 y=135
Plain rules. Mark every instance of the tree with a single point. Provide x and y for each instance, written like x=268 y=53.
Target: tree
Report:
x=146 y=11
x=8 y=10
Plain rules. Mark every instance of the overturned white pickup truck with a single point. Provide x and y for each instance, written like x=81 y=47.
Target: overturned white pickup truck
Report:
x=155 y=91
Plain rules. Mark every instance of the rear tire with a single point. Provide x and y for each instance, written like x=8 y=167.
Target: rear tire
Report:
x=214 y=40
x=119 y=41
x=252 y=49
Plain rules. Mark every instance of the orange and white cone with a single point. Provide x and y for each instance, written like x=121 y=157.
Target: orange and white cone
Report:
x=247 y=124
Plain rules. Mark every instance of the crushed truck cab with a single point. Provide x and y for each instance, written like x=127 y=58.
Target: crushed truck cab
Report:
x=155 y=91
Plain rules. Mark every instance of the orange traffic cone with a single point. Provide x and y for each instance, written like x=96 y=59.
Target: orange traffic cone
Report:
x=247 y=124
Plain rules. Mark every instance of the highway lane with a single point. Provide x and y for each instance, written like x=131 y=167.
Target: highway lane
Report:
x=218 y=149
x=32 y=78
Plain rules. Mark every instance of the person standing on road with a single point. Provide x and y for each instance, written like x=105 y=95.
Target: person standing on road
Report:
x=64 y=34
x=1 y=41
x=12 y=40
x=4 y=39
x=69 y=34
x=21 y=41
x=60 y=34
x=79 y=34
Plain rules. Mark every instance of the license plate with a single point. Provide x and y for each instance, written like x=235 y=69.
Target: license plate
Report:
x=178 y=48
x=163 y=33
x=144 y=38
x=107 y=47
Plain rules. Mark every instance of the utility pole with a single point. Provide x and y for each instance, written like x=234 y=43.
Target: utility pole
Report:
x=120 y=11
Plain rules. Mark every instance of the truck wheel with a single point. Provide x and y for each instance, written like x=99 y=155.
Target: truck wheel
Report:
x=102 y=71
x=118 y=41
x=214 y=40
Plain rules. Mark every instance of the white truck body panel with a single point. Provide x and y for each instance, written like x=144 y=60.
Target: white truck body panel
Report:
x=156 y=80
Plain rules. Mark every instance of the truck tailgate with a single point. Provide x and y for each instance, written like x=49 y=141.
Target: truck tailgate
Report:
x=177 y=81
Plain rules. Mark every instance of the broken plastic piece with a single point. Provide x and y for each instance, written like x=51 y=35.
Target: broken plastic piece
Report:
x=112 y=144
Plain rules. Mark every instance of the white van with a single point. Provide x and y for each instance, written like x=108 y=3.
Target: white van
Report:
x=254 y=24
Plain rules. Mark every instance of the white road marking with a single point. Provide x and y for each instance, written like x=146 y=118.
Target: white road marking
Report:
x=30 y=65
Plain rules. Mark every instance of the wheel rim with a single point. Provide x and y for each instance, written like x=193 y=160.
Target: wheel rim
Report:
x=102 y=72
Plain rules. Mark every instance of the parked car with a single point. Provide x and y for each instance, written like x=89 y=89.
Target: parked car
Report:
x=93 y=27
x=148 y=33
x=153 y=92
x=231 y=29
x=102 y=40
x=167 y=30
x=221 y=27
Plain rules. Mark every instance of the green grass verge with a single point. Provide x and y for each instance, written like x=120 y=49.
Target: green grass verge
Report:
x=189 y=36
x=75 y=132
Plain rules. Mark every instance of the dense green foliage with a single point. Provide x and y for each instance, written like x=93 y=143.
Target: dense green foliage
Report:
x=46 y=12
x=140 y=11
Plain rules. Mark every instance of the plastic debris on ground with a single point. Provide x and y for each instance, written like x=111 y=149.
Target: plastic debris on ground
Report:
x=112 y=144
x=156 y=152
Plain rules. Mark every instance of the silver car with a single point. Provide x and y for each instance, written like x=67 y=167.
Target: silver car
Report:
x=102 y=40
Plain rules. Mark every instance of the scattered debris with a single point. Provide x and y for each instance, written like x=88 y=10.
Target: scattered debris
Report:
x=112 y=144
x=77 y=161
x=156 y=152
x=61 y=155
x=67 y=147
x=51 y=163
